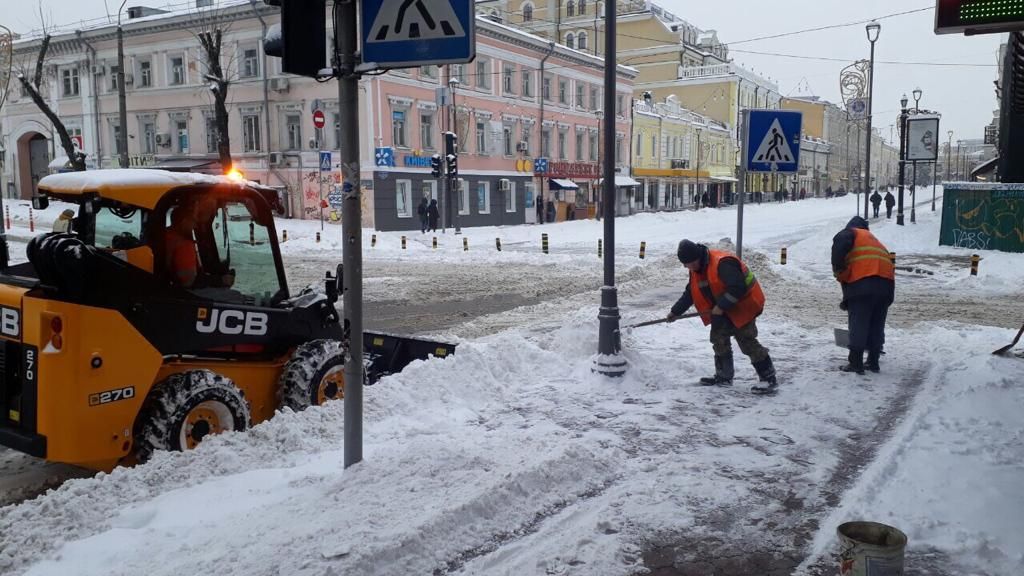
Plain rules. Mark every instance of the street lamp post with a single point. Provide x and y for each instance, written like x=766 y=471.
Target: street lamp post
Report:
x=903 y=158
x=949 y=152
x=873 y=29
x=913 y=186
x=122 y=108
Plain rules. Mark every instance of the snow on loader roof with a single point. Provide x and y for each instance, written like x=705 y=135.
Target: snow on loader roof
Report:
x=135 y=186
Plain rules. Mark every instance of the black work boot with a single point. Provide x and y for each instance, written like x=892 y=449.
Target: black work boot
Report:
x=872 y=363
x=856 y=361
x=723 y=373
x=766 y=376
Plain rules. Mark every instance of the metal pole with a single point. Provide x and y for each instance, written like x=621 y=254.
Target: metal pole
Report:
x=320 y=179
x=903 y=164
x=696 y=193
x=609 y=361
x=352 y=248
x=122 y=106
x=455 y=150
x=860 y=173
x=935 y=176
x=741 y=185
x=871 y=90
x=913 y=195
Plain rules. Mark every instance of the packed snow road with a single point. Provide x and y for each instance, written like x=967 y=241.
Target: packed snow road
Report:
x=511 y=458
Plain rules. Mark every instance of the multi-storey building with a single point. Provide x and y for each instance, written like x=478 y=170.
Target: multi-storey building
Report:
x=522 y=99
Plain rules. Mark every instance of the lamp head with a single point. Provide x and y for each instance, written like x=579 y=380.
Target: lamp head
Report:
x=873 y=30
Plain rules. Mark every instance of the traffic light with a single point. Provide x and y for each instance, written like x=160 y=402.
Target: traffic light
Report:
x=435 y=165
x=978 y=16
x=300 y=40
x=451 y=153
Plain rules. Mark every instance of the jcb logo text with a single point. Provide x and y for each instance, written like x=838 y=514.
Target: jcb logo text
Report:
x=231 y=322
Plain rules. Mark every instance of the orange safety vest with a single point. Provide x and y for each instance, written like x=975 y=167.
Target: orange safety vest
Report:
x=182 y=262
x=745 y=311
x=868 y=257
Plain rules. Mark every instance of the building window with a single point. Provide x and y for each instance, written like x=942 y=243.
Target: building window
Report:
x=148 y=137
x=429 y=189
x=483 y=73
x=579 y=146
x=545 y=143
x=427 y=131
x=620 y=104
x=118 y=143
x=563 y=91
x=526 y=140
x=113 y=78
x=545 y=88
x=251 y=135
x=618 y=149
x=211 y=134
x=595 y=96
x=250 y=63
x=506 y=138
x=177 y=70
x=336 y=118
x=403 y=198
x=459 y=73
x=181 y=130
x=69 y=78
x=483 y=197
x=527 y=12
x=293 y=132
x=428 y=72
x=593 y=147
x=582 y=7
x=508 y=72
x=527 y=78
x=654 y=146
x=528 y=195
x=581 y=40
x=570 y=8
x=463 y=188
x=580 y=93
x=640 y=144
x=145 y=74
x=570 y=40
x=398 y=129
x=562 y=137
x=481 y=138
x=510 y=197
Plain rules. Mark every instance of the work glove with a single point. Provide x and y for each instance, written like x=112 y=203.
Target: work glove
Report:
x=672 y=317
x=844 y=306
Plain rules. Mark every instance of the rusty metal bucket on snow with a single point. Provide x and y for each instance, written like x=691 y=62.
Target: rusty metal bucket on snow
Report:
x=870 y=549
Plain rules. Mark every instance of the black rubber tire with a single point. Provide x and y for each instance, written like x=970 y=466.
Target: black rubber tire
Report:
x=167 y=409
x=302 y=376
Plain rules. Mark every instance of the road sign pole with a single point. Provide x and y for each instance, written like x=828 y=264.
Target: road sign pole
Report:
x=741 y=185
x=320 y=179
x=345 y=23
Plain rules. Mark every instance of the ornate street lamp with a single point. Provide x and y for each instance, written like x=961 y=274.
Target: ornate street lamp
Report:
x=873 y=30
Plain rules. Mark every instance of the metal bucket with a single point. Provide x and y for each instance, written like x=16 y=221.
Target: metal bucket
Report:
x=870 y=549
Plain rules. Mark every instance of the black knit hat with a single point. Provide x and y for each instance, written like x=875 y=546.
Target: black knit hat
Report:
x=689 y=252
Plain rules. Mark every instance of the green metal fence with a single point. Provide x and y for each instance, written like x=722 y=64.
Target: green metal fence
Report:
x=983 y=217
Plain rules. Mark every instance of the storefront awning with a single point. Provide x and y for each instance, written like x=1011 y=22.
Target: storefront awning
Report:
x=724 y=179
x=621 y=181
x=560 y=184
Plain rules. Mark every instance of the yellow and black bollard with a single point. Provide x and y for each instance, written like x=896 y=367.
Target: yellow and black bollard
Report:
x=643 y=250
x=284 y=236
x=975 y=260
x=783 y=257
x=497 y=244
x=373 y=240
x=252 y=233
x=465 y=244
x=435 y=242
x=403 y=242
x=600 y=247
x=544 y=243
x=317 y=237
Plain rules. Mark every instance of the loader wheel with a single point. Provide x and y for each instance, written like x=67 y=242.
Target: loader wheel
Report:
x=314 y=375
x=186 y=408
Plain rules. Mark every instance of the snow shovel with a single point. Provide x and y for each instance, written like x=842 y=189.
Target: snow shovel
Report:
x=1006 y=349
x=663 y=321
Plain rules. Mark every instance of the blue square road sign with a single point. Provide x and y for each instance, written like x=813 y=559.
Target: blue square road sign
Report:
x=408 y=33
x=772 y=142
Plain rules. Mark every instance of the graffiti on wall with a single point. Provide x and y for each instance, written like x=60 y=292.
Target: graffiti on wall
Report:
x=316 y=189
x=984 y=219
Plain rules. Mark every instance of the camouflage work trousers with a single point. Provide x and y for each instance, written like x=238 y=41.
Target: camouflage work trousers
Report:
x=746 y=337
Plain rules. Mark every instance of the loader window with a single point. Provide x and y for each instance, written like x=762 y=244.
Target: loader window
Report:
x=118 y=228
x=244 y=245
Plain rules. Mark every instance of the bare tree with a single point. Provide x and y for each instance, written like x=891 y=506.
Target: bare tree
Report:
x=210 y=30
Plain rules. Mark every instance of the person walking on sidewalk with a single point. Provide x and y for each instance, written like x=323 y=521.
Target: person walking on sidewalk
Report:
x=864 y=268
x=729 y=299
x=433 y=215
x=422 y=211
x=876 y=201
x=890 y=201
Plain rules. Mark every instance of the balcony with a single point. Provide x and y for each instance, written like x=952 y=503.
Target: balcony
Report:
x=720 y=70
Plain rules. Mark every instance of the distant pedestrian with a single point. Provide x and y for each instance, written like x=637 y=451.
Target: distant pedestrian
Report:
x=422 y=211
x=728 y=298
x=863 y=266
x=803 y=193
x=433 y=215
x=705 y=199
x=540 y=210
x=876 y=202
x=890 y=201
x=828 y=192
x=551 y=211
x=63 y=222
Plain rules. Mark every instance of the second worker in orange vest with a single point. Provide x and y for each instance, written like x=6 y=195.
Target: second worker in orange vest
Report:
x=729 y=298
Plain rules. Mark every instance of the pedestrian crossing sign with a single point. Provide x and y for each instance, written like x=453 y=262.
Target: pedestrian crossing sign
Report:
x=410 y=33
x=772 y=140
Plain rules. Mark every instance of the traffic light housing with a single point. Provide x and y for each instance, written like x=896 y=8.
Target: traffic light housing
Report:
x=451 y=153
x=300 y=40
x=978 y=16
x=435 y=165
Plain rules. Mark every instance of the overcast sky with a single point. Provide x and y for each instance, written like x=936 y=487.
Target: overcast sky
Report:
x=963 y=94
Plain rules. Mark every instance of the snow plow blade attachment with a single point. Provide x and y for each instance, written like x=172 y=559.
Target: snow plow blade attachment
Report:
x=1006 y=349
x=385 y=354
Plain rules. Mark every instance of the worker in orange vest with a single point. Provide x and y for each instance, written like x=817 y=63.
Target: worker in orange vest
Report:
x=865 y=269
x=729 y=299
x=181 y=258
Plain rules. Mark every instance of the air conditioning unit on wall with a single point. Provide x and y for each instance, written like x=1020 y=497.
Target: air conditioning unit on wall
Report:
x=276 y=158
x=279 y=84
x=523 y=147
